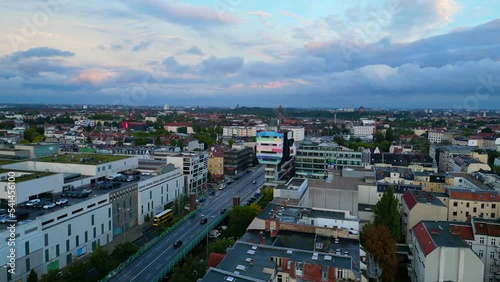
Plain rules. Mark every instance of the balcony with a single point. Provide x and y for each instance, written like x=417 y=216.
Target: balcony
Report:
x=497 y=275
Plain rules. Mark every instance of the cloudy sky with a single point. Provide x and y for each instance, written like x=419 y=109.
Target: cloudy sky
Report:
x=314 y=53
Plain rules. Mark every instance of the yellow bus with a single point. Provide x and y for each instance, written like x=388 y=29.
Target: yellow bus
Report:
x=162 y=217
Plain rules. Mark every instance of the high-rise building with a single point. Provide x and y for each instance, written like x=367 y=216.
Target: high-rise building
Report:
x=276 y=151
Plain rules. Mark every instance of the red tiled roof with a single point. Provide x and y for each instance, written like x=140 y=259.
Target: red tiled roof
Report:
x=424 y=238
x=214 y=259
x=485 y=228
x=477 y=195
x=464 y=231
x=409 y=199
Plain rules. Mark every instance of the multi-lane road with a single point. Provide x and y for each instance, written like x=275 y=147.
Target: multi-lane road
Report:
x=153 y=261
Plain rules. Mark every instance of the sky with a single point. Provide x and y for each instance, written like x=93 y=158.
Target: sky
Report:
x=314 y=53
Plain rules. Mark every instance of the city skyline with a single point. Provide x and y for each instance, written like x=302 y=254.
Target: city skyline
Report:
x=406 y=54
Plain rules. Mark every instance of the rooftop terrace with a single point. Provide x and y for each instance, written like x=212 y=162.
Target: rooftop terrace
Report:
x=89 y=159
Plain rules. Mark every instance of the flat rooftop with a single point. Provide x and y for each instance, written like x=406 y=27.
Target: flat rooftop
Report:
x=32 y=175
x=338 y=183
x=292 y=214
x=88 y=159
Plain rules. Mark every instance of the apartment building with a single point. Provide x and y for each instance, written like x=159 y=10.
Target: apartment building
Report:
x=297 y=131
x=173 y=126
x=362 y=130
x=420 y=205
x=194 y=166
x=239 y=131
x=430 y=181
x=464 y=204
x=466 y=164
x=440 y=254
x=216 y=162
x=314 y=160
x=449 y=152
x=435 y=136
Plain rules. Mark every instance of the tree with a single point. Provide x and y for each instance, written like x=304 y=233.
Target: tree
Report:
x=32 y=277
x=147 y=218
x=123 y=251
x=73 y=272
x=378 y=241
x=379 y=137
x=389 y=135
x=240 y=217
x=180 y=144
x=220 y=245
x=386 y=213
x=230 y=143
x=99 y=260
x=53 y=275
x=182 y=130
x=157 y=140
x=173 y=142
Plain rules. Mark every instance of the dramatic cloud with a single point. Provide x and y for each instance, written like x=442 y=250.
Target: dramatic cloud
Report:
x=225 y=65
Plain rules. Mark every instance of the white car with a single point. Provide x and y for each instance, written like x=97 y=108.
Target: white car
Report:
x=62 y=202
x=49 y=206
x=33 y=202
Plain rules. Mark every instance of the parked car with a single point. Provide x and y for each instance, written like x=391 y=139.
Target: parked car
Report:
x=86 y=191
x=203 y=220
x=211 y=193
x=49 y=206
x=257 y=194
x=177 y=244
x=62 y=202
x=42 y=204
x=222 y=186
x=33 y=202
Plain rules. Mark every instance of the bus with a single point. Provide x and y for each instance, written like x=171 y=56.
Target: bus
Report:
x=162 y=217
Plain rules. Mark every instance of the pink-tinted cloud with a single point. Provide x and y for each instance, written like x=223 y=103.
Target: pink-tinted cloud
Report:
x=94 y=76
x=270 y=85
x=181 y=13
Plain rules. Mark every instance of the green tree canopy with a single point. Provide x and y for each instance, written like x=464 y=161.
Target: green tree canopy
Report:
x=220 y=245
x=239 y=219
x=386 y=213
x=32 y=277
x=100 y=261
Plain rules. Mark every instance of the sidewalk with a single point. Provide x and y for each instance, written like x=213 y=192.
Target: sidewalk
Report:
x=129 y=235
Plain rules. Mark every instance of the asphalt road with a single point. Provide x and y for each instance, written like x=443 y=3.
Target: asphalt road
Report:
x=149 y=264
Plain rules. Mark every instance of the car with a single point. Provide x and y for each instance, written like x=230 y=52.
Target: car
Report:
x=222 y=211
x=177 y=244
x=211 y=193
x=62 y=202
x=201 y=200
x=229 y=182
x=257 y=194
x=254 y=181
x=49 y=206
x=6 y=218
x=42 y=204
x=86 y=191
x=33 y=202
x=222 y=186
x=203 y=220
x=248 y=171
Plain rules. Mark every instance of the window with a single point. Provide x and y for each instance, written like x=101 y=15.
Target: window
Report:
x=95 y=232
x=27 y=248
x=481 y=253
x=493 y=242
x=474 y=210
x=67 y=245
x=68 y=259
x=492 y=255
x=454 y=213
x=467 y=204
x=482 y=206
x=494 y=206
x=492 y=268
x=86 y=236
x=46 y=238
x=47 y=255
x=92 y=219
x=340 y=273
x=109 y=212
x=493 y=215
x=77 y=240
x=57 y=250
x=28 y=266
x=69 y=229
x=455 y=204
x=102 y=228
